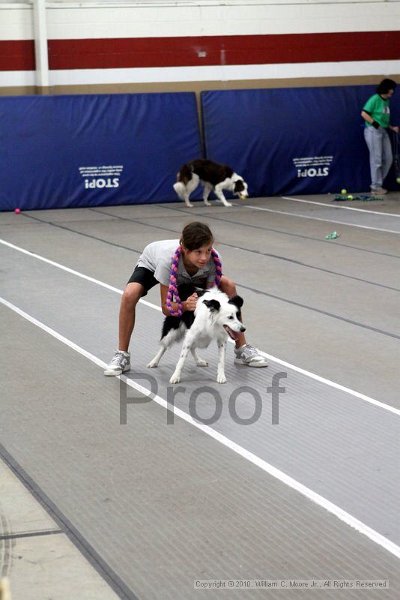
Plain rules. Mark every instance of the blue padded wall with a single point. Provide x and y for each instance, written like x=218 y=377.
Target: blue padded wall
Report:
x=92 y=150
x=291 y=141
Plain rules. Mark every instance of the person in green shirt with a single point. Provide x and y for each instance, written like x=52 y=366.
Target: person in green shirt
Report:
x=376 y=114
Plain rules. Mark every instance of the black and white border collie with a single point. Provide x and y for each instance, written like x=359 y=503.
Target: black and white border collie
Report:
x=213 y=176
x=216 y=317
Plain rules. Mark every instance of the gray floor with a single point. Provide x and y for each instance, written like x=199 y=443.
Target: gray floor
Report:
x=305 y=490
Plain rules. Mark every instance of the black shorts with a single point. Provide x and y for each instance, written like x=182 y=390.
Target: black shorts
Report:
x=145 y=277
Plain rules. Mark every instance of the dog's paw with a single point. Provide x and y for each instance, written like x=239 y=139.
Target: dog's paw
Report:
x=189 y=204
x=200 y=362
x=152 y=364
x=207 y=203
x=221 y=379
x=175 y=379
x=228 y=204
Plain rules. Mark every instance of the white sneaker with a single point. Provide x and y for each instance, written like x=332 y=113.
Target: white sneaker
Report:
x=247 y=355
x=120 y=363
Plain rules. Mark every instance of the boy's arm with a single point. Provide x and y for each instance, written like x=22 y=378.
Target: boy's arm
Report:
x=189 y=304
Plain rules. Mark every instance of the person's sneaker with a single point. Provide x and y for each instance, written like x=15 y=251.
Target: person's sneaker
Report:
x=247 y=355
x=119 y=364
x=378 y=191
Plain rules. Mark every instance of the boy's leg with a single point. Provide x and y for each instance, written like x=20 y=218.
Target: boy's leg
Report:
x=131 y=296
x=138 y=285
x=245 y=354
x=120 y=362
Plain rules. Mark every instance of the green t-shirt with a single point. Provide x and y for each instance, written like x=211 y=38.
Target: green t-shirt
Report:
x=379 y=110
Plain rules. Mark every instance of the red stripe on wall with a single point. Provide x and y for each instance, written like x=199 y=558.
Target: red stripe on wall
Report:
x=229 y=50
x=113 y=53
x=17 y=55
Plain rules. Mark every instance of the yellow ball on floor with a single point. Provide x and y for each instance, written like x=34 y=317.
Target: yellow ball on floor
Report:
x=349 y=197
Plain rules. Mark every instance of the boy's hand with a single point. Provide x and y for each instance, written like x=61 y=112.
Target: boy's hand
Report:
x=190 y=303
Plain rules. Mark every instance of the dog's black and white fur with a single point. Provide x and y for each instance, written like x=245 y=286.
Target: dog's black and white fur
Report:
x=216 y=316
x=213 y=176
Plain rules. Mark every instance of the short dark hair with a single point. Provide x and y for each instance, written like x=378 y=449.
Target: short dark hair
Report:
x=385 y=86
x=195 y=235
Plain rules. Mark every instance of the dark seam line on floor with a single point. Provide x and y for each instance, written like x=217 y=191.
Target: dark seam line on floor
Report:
x=15 y=536
x=307 y=266
x=292 y=302
x=280 y=231
x=98 y=563
x=93 y=237
x=304 y=237
x=275 y=256
x=10 y=224
x=326 y=313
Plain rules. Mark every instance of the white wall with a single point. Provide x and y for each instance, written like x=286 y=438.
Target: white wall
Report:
x=181 y=18
x=156 y=19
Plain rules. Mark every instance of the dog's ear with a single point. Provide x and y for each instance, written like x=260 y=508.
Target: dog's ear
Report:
x=239 y=185
x=237 y=301
x=213 y=305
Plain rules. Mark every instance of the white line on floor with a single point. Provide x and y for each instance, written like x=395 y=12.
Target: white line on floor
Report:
x=336 y=206
x=289 y=214
x=283 y=363
x=332 y=508
x=73 y=272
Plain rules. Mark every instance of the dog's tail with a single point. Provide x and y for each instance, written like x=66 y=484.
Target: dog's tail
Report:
x=185 y=174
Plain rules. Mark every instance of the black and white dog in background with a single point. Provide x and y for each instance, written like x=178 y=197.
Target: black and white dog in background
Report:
x=216 y=317
x=213 y=176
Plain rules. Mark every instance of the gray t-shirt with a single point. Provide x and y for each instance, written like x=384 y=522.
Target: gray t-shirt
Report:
x=157 y=257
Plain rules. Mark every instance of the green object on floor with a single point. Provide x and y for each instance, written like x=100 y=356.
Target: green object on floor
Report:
x=332 y=236
x=368 y=197
x=363 y=197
